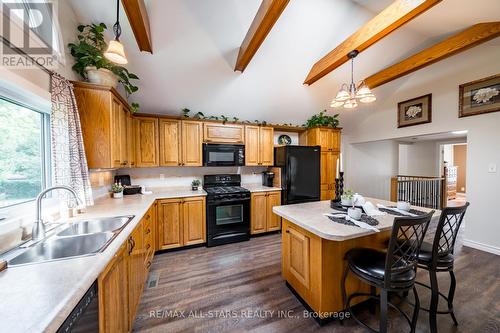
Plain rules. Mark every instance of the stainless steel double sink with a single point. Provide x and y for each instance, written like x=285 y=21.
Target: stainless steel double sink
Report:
x=77 y=239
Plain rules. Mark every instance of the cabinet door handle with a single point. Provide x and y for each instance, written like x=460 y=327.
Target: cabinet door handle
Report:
x=288 y=231
x=148 y=246
x=149 y=264
x=148 y=231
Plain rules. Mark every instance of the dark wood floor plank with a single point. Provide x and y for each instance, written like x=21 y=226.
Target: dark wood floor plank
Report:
x=246 y=277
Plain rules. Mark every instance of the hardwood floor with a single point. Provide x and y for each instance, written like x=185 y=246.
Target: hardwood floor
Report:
x=244 y=278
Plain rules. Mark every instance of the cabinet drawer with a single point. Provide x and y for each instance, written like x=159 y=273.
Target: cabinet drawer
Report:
x=219 y=133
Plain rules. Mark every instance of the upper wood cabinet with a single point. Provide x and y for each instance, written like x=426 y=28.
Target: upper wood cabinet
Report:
x=259 y=145
x=192 y=139
x=262 y=218
x=222 y=133
x=131 y=137
x=327 y=138
x=146 y=142
x=103 y=118
x=181 y=222
x=170 y=142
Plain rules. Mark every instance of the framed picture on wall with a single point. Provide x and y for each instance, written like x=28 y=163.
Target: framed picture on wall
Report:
x=415 y=111
x=480 y=96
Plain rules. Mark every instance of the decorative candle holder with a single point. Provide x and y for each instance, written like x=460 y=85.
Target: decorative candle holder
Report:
x=339 y=186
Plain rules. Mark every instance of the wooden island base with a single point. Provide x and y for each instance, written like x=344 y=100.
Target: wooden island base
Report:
x=313 y=267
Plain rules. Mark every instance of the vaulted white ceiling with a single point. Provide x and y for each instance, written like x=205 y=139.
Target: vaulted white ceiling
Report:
x=195 y=44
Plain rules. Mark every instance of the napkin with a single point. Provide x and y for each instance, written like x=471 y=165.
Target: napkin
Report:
x=371 y=210
x=397 y=210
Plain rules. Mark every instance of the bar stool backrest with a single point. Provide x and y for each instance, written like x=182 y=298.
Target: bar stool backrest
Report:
x=447 y=230
x=404 y=245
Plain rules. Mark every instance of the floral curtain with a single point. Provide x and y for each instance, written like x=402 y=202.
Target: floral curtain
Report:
x=69 y=164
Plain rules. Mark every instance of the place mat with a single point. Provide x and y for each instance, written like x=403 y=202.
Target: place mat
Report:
x=393 y=212
x=364 y=218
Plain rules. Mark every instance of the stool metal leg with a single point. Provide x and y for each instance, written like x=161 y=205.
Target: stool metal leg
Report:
x=415 y=311
x=451 y=294
x=373 y=307
x=383 y=311
x=434 y=301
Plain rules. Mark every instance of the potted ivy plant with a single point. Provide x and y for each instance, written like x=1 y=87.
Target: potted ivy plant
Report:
x=194 y=184
x=347 y=198
x=91 y=64
x=322 y=120
x=117 y=190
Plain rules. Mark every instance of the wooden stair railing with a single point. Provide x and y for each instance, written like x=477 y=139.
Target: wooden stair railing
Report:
x=419 y=190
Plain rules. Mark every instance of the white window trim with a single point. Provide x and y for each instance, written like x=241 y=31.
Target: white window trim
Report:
x=41 y=106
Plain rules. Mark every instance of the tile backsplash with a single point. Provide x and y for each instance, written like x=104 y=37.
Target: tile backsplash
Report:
x=183 y=176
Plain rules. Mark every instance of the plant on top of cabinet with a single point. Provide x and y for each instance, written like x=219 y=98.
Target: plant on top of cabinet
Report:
x=320 y=119
x=91 y=64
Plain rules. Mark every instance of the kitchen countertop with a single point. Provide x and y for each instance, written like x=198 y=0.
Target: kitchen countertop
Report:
x=39 y=297
x=259 y=188
x=310 y=217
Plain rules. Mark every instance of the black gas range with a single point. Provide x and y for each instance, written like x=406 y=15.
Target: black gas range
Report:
x=228 y=209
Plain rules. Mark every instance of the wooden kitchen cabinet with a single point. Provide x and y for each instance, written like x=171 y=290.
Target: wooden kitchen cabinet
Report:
x=193 y=221
x=136 y=270
x=131 y=149
x=170 y=142
x=181 y=222
x=328 y=172
x=147 y=142
x=296 y=257
x=262 y=218
x=192 y=140
x=259 y=146
x=113 y=295
x=169 y=224
x=223 y=133
x=103 y=118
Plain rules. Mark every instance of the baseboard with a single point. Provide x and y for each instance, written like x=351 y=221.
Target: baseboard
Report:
x=481 y=246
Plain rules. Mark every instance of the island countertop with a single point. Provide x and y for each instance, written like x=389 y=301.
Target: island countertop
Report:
x=310 y=216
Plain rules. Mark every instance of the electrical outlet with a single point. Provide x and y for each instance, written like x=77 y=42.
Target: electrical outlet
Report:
x=492 y=168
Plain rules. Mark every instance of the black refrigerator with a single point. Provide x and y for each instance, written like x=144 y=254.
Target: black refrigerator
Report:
x=300 y=173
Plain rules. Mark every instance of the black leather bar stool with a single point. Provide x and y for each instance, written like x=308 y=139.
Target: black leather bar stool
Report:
x=438 y=257
x=393 y=270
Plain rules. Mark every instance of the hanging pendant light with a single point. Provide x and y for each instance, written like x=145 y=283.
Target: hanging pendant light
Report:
x=116 y=52
x=349 y=95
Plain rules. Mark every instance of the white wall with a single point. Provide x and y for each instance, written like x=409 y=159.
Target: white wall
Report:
x=370 y=166
x=442 y=80
x=419 y=159
x=182 y=176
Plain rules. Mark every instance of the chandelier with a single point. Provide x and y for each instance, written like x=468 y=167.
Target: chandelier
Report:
x=349 y=95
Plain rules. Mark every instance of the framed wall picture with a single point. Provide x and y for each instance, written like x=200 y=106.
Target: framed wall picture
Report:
x=480 y=96
x=415 y=111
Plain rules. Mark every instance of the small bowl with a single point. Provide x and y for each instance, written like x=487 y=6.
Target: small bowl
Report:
x=403 y=205
x=354 y=213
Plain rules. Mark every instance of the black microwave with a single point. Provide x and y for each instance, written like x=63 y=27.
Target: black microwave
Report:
x=223 y=154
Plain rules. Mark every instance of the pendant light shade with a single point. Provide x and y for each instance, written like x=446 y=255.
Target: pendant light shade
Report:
x=116 y=52
x=348 y=96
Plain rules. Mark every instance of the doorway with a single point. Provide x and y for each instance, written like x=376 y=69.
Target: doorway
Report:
x=453 y=163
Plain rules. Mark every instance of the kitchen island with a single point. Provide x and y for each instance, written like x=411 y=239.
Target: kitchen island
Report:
x=313 y=249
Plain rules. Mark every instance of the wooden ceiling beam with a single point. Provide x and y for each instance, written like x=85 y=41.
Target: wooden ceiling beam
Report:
x=267 y=15
x=139 y=21
x=470 y=37
x=388 y=20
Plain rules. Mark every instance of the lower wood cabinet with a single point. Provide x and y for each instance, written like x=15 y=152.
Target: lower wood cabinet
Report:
x=113 y=294
x=262 y=217
x=328 y=172
x=121 y=284
x=181 y=222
